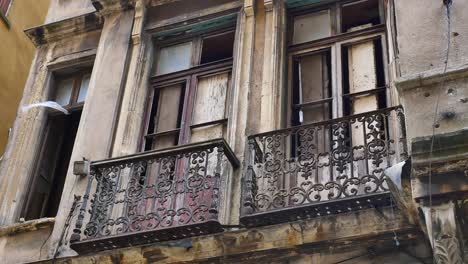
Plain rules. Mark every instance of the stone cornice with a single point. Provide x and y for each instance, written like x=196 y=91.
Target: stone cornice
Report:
x=27 y=226
x=59 y=30
x=442 y=148
x=431 y=77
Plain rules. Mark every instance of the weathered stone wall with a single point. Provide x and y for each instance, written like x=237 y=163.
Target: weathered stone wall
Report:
x=361 y=237
x=122 y=50
x=17 y=54
x=422 y=31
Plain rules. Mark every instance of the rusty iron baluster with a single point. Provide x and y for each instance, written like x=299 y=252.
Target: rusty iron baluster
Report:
x=76 y=236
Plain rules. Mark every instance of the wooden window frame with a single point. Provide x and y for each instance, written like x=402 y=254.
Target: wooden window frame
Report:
x=189 y=77
x=334 y=44
x=77 y=78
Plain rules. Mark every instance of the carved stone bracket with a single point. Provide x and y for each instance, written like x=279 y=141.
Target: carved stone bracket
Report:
x=138 y=22
x=249 y=7
x=444 y=233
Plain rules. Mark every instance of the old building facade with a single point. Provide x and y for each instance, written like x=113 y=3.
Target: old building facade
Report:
x=16 y=55
x=241 y=131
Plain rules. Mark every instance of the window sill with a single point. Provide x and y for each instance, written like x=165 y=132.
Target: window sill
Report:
x=28 y=226
x=5 y=20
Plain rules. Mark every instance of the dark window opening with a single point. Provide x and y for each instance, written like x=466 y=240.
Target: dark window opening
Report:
x=311 y=93
x=359 y=15
x=217 y=47
x=380 y=72
x=165 y=117
x=345 y=81
x=311 y=96
x=47 y=186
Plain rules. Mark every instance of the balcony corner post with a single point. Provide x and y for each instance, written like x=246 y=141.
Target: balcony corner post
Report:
x=214 y=210
x=76 y=236
x=248 y=184
x=402 y=133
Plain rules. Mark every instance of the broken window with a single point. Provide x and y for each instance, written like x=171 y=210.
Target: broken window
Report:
x=191 y=87
x=359 y=15
x=218 y=47
x=57 y=145
x=344 y=75
x=336 y=54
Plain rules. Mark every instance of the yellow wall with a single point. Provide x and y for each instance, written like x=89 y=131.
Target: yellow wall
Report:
x=16 y=55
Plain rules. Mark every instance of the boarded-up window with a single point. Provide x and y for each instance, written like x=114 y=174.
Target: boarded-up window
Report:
x=312 y=27
x=4 y=5
x=167 y=116
x=210 y=106
x=191 y=84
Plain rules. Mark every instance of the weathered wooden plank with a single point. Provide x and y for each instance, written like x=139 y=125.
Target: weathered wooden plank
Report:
x=210 y=104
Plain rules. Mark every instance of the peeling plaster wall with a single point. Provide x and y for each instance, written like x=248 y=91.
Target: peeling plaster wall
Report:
x=360 y=237
x=420 y=106
x=422 y=35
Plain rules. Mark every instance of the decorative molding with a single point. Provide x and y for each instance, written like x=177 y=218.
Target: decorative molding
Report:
x=440 y=148
x=249 y=7
x=447 y=250
x=193 y=17
x=138 y=22
x=431 y=77
x=268 y=5
x=27 y=226
x=59 y=30
x=443 y=232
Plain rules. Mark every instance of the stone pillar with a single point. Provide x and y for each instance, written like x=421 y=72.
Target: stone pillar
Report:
x=132 y=113
x=241 y=89
x=273 y=61
x=99 y=117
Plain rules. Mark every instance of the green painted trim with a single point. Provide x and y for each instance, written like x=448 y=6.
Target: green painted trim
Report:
x=298 y=3
x=200 y=27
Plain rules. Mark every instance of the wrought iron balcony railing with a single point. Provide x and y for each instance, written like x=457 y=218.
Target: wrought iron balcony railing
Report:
x=153 y=196
x=324 y=168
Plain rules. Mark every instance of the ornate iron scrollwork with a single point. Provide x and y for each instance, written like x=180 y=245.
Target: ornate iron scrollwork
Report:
x=154 y=191
x=323 y=162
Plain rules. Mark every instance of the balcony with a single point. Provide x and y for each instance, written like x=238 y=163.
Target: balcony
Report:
x=320 y=169
x=153 y=196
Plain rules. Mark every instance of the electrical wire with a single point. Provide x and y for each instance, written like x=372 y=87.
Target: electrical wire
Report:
x=448 y=5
